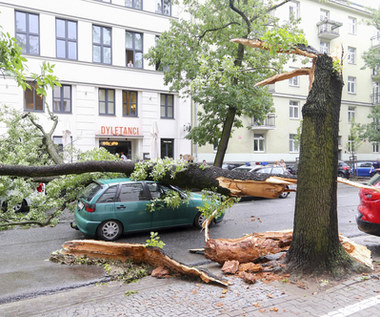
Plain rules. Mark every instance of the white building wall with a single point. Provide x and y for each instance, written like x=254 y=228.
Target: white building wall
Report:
x=86 y=77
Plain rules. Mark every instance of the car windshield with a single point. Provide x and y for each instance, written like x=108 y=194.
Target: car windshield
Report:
x=374 y=179
x=90 y=191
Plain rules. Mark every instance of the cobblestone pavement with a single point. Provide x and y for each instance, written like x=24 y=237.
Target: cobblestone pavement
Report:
x=181 y=297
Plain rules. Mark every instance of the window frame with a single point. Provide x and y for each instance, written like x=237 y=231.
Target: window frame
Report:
x=161 y=11
x=324 y=47
x=351 y=85
x=34 y=96
x=127 y=106
x=351 y=55
x=101 y=44
x=258 y=143
x=352 y=24
x=28 y=33
x=166 y=106
x=134 y=50
x=293 y=148
x=375 y=147
x=351 y=111
x=294 y=5
x=66 y=39
x=107 y=102
x=134 y=4
x=62 y=99
x=294 y=104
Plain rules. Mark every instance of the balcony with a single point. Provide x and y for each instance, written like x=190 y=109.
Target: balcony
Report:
x=375 y=41
x=328 y=29
x=267 y=124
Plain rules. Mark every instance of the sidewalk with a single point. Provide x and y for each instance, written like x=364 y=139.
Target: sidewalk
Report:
x=181 y=297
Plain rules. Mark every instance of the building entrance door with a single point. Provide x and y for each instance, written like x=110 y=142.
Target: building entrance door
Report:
x=116 y=147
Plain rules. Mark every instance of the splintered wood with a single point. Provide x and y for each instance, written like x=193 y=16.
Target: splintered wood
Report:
x=138 y=253
x=272 y=187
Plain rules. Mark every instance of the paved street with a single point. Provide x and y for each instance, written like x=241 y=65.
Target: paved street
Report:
x=25 y=275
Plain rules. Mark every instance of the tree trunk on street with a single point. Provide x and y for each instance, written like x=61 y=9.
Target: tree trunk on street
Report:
x=315 y=247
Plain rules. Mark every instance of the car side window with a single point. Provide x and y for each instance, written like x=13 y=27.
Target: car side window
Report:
x=108 y=196
x=132 y=192
x=277 y=170
x=264 y=170
x=157 y=190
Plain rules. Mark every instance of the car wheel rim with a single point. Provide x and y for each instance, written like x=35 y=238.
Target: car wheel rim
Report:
x=201 y=220
x=110 y=230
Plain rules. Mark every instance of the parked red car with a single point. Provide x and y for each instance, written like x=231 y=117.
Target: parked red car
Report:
x=368 y=217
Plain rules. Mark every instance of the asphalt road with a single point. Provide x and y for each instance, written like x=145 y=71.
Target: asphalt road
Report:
x=25 y=271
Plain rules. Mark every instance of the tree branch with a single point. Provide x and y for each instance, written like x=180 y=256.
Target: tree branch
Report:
x=270 y=9
x=278 y=77
x=232 y=6
x=217 y=29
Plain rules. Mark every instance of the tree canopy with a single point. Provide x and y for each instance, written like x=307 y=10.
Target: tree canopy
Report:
x=198 y=60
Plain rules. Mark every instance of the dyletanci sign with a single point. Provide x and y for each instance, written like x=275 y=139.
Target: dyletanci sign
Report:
x=119 y=130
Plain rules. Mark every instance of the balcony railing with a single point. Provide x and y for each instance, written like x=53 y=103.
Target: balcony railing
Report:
x=267 y=124
x=328 y=29
x=375 y=41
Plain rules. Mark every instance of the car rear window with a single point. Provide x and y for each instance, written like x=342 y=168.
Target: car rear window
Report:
x=90 y=191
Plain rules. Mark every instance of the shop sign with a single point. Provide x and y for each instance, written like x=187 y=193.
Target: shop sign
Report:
x=109 y=130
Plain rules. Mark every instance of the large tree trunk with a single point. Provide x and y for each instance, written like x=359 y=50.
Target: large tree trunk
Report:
x=315 y=246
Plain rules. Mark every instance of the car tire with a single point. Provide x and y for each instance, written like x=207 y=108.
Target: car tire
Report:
x=20 y=207
x=198 y=220
x=340 y=174
x=284 y=194
x=109 y=230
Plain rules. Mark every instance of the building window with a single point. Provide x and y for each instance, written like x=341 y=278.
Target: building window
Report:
x=351 y=57
x=351 y=114
x=129 y=103
x=324 y=14
x=164 y=7
x=376 y=93
x=294 y=10
x=324 y=47
x=375 y=147
x=293 y=147
x=33 y=101
x=350 y=145
x=106 y=101
x=351 y=25
x=167 y=148
x=101 y=44
x=351 y=85
x=135 y=4
x=62 y=99
x=294 y=109
x=66 y=39
x=258 y=143
x=134 y=49
x=167 y=106
x=28 y=32
x=294 y=81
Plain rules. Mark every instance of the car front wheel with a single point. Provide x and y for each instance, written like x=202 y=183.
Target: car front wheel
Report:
x=109 y=230
x=198 y=220
x=284 y=194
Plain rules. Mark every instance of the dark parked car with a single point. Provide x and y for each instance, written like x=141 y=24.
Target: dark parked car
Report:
x=109 y=207
x=344 y=170
x=368 y=217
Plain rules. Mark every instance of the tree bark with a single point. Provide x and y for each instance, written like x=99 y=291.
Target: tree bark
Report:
x=315 y=247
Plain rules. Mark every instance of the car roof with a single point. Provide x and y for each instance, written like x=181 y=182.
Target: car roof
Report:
x=105 y=181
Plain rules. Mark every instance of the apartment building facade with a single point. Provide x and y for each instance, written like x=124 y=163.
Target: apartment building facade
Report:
x=110 y=96
x=327 y=26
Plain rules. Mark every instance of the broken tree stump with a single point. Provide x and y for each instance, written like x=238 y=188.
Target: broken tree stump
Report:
x=138 y=253
x=254 y=246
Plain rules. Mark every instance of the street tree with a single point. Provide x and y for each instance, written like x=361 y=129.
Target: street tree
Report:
x=198 y=60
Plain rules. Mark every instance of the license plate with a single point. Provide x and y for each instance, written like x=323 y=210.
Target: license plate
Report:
x=80 y=205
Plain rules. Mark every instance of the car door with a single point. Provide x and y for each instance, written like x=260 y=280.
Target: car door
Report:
x=162 y=216
x=364 y=169
x=130 y=207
